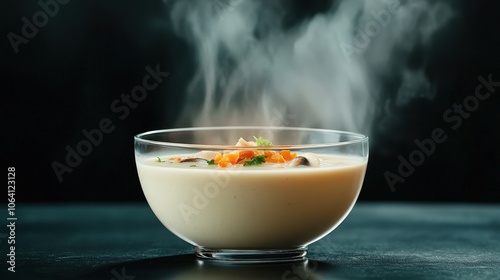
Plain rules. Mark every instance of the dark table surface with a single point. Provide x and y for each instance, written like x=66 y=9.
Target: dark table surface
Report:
x=376 y=241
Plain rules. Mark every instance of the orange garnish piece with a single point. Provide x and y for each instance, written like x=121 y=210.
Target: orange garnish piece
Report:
x=217 y=158
x=275 y=158
x=287 y=155
x=279 y=158
x=232 y=158
x=224 y=160
x=220 y=160
x=269 y=154
x=247 y=154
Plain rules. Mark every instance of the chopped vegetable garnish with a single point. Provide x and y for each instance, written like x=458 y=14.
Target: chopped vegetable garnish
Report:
x=158 y=159
x=287 y=155
x=247 y=155
x=224 y=159
x=262 y=142
x=250 y=156
x=256 y=160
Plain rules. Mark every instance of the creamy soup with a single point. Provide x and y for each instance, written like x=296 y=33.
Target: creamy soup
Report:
x=269 y=206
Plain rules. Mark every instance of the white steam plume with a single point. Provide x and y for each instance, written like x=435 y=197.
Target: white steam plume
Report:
x=324 y=72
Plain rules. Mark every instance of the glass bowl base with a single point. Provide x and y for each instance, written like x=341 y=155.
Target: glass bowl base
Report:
x=251 y=256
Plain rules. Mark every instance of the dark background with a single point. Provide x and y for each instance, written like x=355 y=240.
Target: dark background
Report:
x=66 y=77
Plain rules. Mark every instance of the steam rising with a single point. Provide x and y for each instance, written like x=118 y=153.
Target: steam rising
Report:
x=326 y=71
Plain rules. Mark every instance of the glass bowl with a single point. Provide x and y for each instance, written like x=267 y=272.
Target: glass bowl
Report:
x=267 y=203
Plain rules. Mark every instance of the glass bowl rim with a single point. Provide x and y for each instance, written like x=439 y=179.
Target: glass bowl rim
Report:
x=138 y=138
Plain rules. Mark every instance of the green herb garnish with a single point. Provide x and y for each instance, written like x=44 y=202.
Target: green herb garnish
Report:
x=211 y=162
x=194 y=165
x=158 y=159
x=262 y=142
x=256 y=160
